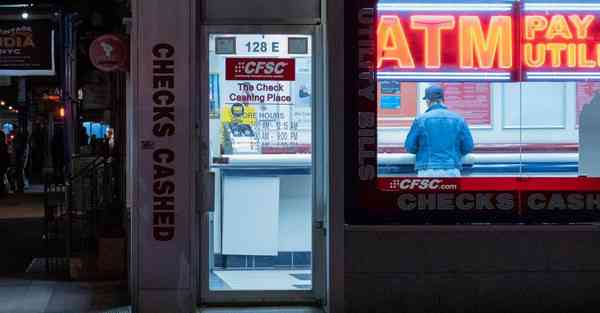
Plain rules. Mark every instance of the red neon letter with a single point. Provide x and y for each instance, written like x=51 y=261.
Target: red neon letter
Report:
x=555 y=52
x=558 y=27
x=473 y=41
x=582 y=26
x=533 y=24
x=583 y=59
x=392 y=44
x=571 y=55
x=528 y=55
x=433 y=26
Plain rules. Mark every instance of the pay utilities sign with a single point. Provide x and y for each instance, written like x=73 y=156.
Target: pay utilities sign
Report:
x=260 y=69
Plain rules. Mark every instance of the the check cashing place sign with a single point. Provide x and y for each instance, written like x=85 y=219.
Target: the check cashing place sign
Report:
x=444 y=41
x=259 y=80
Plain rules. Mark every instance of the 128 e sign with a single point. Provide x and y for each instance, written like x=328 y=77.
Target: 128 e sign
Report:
x=262 y=46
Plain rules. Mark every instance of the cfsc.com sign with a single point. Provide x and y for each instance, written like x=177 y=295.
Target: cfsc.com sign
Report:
x=417 y=184
x=260 y=69
x=533 y=194
x=424 y=184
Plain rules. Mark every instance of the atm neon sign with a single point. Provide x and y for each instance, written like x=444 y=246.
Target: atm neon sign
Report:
x=488 y=41
x=476 y=48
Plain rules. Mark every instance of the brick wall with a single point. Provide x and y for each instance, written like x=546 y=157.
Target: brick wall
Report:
x=500 y=269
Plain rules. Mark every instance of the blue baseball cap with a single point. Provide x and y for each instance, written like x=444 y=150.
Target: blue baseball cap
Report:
x=434 y=93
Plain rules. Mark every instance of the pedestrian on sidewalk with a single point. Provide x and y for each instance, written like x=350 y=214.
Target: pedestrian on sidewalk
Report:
x=20 y=148
x=58 y=157
x=4 y=162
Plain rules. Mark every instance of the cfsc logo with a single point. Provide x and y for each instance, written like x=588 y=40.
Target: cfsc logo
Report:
x=422 y=184
x=260 y=69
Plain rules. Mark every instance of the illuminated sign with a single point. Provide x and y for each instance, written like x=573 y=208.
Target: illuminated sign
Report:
x=391 y=44
x=560 y=41
x=260 y=69
x=498 y=41
x=445 y=41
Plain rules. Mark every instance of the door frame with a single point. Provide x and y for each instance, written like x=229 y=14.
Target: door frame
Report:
x=318 y=294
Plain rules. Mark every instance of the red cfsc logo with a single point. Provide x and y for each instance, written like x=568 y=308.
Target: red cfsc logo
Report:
x=260 y=69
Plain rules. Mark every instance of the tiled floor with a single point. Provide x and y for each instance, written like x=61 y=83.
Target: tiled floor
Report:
x=263 y=279
x=22 y=295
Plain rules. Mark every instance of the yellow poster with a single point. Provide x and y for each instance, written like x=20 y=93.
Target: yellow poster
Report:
x=238 y=123
x=238 y=114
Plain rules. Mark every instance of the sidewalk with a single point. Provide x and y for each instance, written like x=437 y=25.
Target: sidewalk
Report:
x=25 y=295
x=29 y=204
x=21 y=223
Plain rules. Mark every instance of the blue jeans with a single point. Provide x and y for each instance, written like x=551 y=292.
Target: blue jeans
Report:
x=439 y=173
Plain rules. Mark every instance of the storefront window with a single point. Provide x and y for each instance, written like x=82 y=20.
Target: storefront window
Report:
x=483 y=106
x=529 y=129
x=98 y=130
x=8 y=128
x=483 y=112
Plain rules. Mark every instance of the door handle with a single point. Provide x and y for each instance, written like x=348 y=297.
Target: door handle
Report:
x=206 y=181
x=210 y=190
x=320 y=225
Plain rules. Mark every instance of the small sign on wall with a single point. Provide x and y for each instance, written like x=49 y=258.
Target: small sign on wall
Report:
x=109 y=53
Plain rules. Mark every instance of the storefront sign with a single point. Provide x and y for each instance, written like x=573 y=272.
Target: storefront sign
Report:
x=260 y=69
x=497 y=41
x=109 y=53
x=164 y=209
x=521 y=195
x=473 y=43
x=26 y=48
x=258 y=92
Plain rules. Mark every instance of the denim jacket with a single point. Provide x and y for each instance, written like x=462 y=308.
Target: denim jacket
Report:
x=439 y=138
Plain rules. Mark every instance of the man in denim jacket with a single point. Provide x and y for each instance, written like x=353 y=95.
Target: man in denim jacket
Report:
x=439 y=138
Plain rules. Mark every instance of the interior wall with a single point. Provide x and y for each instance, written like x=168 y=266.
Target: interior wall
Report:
x=514 y=104
x=295 y=213
x=294 y=217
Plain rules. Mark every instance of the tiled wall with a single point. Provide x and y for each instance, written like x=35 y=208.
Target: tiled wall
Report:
x=284 y=260
x=478 y=269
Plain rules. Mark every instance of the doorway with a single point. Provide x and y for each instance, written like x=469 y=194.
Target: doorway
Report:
x=263 y=125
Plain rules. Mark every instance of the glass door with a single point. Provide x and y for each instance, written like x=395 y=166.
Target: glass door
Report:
x=263 y=129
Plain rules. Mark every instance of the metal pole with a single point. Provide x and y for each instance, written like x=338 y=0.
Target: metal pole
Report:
x=69 y=81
